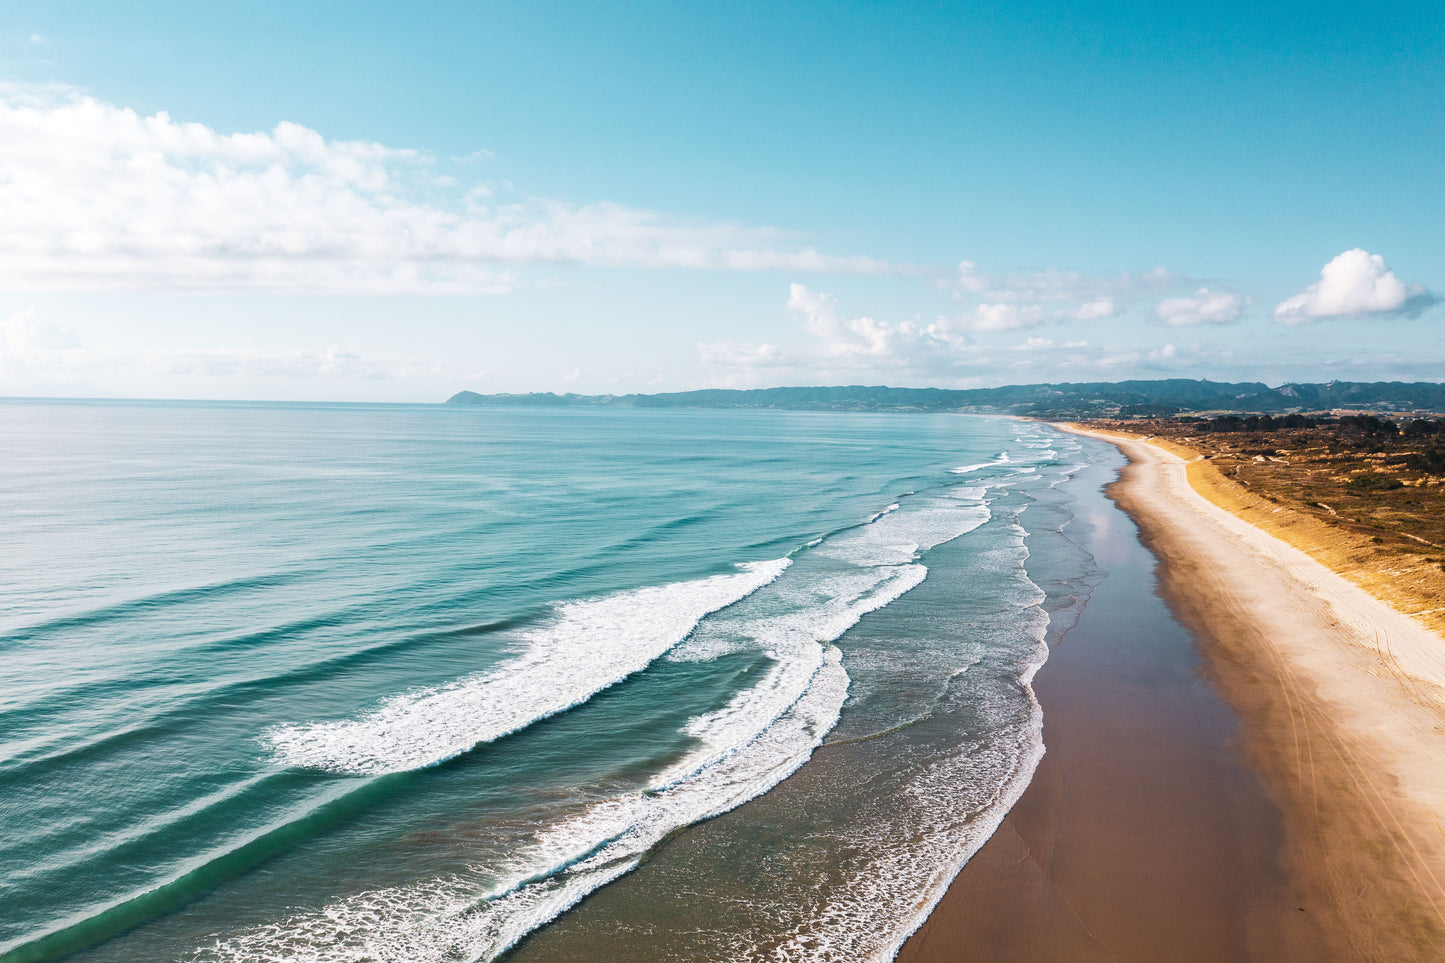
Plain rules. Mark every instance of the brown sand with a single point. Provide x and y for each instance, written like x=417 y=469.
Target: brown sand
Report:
x=1137 y=841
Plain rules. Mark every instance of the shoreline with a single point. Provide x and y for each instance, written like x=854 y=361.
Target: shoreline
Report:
x=1342 y=733
x=1342 y=700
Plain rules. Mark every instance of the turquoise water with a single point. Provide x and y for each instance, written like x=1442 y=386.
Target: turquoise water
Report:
x=406 y=683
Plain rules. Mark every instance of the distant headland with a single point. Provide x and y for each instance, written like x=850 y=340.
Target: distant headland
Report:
x=1123 y=399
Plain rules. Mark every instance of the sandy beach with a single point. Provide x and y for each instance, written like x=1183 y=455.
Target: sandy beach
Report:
x=1312 y=832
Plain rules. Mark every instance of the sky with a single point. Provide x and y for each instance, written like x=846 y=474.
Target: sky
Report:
x=394 y=202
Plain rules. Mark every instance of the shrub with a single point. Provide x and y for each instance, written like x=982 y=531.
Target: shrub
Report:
x=1373 y=481
x=1432 y=461
x=1368 y=426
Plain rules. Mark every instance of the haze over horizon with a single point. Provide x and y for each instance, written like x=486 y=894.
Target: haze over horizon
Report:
x=362 y=203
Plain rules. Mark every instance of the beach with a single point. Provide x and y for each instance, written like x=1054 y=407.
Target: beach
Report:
x=1312 y=832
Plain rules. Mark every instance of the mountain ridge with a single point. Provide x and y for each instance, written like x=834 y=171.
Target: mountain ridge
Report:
x=1068 y=399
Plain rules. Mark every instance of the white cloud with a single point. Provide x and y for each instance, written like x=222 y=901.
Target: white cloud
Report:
x=1053 y=285
x=745 y=355
x=30 y=344
x=940 y=351
x=1097 y=308
x=1355 y=284
x=942 y=354
x=868 y=342
x=1046 y=344
x=572 y=376
x=36 y=40
x=1012 y=316
x=1202 y=307
x=840 y=337
x=1004 y=317
x=969 y=278
x=97 y=196
x=1013 y=301
x=33 y=346
x=333 y=362
x=841 y=347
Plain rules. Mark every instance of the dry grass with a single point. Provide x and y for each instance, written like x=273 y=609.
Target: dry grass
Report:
x=1297 y=486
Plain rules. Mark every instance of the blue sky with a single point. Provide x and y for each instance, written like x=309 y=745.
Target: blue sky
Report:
x=371 y=201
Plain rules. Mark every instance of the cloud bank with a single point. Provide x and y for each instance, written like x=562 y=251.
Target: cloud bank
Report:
x=1355 y=284
x=943 y=351
x=1053 y=285
x=1012 y=302
x=97 y=196
x=32 y=346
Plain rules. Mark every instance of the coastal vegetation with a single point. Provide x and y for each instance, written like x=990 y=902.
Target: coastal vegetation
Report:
x=1363 y=493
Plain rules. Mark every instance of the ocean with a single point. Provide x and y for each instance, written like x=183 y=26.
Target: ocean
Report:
x=422 y=683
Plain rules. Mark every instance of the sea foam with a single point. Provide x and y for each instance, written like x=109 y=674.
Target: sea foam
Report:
x=1001 y=459
x=585 y=647
x=741 y=750
x=443 y=920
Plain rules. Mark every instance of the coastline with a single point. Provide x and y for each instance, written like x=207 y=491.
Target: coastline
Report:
x=1338 y=700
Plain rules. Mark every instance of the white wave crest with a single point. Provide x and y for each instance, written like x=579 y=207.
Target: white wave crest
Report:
x=444 y=920
x=764 y=733
x=1002 y=459
x=818 y=609
x=897 y=537
x=587 y=646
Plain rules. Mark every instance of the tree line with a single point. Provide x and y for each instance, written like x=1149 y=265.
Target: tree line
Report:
x=1358 y=426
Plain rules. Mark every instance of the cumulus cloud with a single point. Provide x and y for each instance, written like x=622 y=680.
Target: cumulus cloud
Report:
x=1097 y=308
x=95 y=195
x=1355 y=284
x=1202 y=307
x=839 y=336
x=843 y=346
x=1004 y=317
x=840 y=346
x=864 y=339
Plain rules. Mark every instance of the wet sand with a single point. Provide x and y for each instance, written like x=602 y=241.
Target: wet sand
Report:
x=1340 y=702
x=1144 y=835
